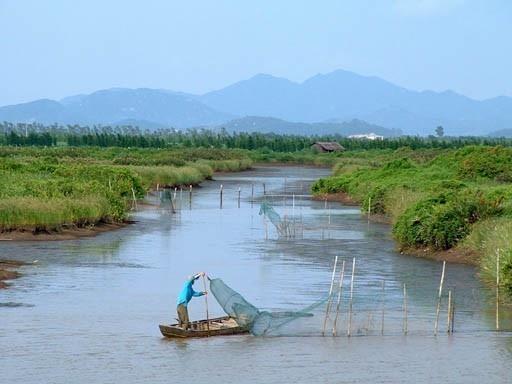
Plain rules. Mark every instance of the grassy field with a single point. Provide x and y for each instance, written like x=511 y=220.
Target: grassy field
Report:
x=436 y=199
x=46 y=189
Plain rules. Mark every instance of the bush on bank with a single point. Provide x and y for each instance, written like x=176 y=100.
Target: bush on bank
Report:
x=436 y=199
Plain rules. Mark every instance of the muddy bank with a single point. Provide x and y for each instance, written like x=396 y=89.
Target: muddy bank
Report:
x=70 y=233
x=454 y=255
x=8 y=271
x=339 y=197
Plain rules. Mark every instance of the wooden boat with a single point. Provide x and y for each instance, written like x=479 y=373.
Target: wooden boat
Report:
x=220 y=326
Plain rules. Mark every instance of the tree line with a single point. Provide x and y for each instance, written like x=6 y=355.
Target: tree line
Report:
x=129 y=136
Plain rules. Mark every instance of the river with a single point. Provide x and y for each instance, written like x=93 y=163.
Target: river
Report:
x=87 y=310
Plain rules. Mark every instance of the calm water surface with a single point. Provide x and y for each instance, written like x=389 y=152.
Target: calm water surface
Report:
x=88 y=310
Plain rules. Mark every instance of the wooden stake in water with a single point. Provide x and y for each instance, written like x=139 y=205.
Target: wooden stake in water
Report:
x=328 y=306
x=449 y=317
x=438 y=309
x=264 y=189
x=134 y=206
x=383 y=306
x=497 y=289
x=405 y=310
x=181 y=197
x=239 y=191
x=206 y=303
x=349 y=328
x=338 y=304
x=221 y=192
x=190 y=197
x=252 y=192
x=453 y=315
x=369 y=206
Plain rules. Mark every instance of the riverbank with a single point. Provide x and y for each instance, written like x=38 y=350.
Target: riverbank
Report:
x=453 y=205
x=64 y=233
x=8 y=271
x=62 y=193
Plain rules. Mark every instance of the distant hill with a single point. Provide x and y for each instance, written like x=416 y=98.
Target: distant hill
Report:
x=146 y=106
x=270 y=125
x=502 y=133
x=336 y=96
x=346 y=95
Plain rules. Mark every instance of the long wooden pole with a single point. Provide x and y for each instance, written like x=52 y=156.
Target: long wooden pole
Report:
x=438 y=309
x=338 y=304
x=206 y=303
x=449 y=317
x=383 y=307
x=349 y=328
x=405 y=311
x=498 y=289
x=328 y=306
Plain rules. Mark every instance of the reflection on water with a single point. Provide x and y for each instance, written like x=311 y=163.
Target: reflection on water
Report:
x=88 y=310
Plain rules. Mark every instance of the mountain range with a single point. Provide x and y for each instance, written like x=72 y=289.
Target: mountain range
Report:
x=322 y=102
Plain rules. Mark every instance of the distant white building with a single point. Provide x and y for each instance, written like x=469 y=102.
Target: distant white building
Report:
x=368 y=136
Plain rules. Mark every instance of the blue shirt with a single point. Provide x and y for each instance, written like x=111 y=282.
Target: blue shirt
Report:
x=187 y=292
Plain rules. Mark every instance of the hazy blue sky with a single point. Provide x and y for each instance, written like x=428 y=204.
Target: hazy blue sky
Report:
x=58 y=48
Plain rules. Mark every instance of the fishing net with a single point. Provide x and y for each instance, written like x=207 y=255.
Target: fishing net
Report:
x=284 y=227
x=247 y=315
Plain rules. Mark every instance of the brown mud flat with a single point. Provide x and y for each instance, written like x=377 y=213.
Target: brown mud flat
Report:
x=8 y=271
x=455 y=255
x=339 y=197
x=70 y=233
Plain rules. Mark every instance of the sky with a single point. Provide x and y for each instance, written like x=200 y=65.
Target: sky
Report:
x=57 y=48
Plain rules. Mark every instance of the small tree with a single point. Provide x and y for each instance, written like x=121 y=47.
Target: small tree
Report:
x=439 y=131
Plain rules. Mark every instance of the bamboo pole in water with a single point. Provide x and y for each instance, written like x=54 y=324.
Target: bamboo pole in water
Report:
x=449 y=317
x=383 y=307
x=134 y=206
x=405 y=311
x=453 y=314
x=264 y=189
x=239 y=190
x=328 y=306
x=338 y=304
x=190 y=197
x=498 y=289
x=438 y=309
x=206 y=303
x=349 y=327
x=221 y=192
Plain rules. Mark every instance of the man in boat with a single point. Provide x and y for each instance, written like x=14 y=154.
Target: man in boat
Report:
x=186 y=294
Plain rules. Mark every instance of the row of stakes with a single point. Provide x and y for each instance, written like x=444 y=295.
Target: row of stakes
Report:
x=334 y=300
x=451 y=301
x=221 y=195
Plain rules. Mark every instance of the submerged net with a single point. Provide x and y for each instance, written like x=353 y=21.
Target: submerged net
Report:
x=284 y=227
x=247 y=315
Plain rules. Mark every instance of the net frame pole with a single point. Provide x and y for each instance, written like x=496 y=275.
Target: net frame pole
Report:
x=206 y=304
x=349 y=327
x=440 y=293
x=338 y=304
x=328 y=306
